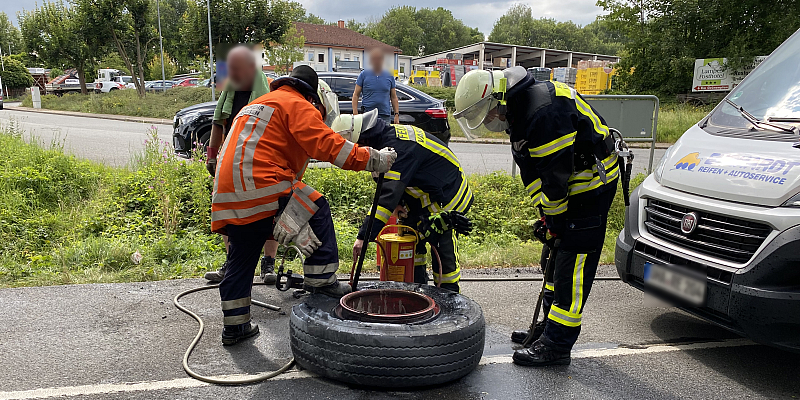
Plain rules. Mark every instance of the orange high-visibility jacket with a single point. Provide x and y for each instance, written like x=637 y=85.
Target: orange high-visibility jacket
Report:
x=265 y=155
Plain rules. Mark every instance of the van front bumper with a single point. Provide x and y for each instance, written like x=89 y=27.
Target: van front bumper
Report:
x=759 y=299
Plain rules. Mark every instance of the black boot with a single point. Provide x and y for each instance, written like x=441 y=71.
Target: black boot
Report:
x=233 y=334
x=520 y=336
x=268 y=275
x=335 y=290
x=540 y=354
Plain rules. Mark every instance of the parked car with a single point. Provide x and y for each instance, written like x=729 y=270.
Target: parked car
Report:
x=188 y=82
x=715 y=228
x=192 y=125
x=158 y=86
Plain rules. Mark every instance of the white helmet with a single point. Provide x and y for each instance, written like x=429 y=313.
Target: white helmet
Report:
x=329 y=100
x=351 y=126
x=478 y=95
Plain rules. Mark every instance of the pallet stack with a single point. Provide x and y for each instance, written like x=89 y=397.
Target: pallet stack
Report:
x=594 y=76
x=566 y=75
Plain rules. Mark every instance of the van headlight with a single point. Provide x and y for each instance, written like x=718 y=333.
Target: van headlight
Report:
x=661 y=164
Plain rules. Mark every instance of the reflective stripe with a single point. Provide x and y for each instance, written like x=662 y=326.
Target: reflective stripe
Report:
x=236 y=319
x=305 y=201
x=250 y=147
x=549 y=286
x=577 y=284
x=252 y=194
x=317 y=282
x=392 y=175
x=237 y=303
x=551 y=203
x=589 y=174
x=417 y=193
x=462 y=207
x=461 y=190
x=442 y=151
x=587 y=111
x=563 y=90
x=320 y=269
x=344 y=154
x=243 y=212
x=554 y=146
x=452 y=277
x=534 y=187
x=554 y=210
x=585 y=186
x=241 y=139
x=383 y=214
x=420 y=259
x=564 y=317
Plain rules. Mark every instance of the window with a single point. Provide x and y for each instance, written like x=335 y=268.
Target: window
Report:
x=344 y=88
x=402 y=96
x=355 y=58
x=402 y=69
x=347 y=56
x=321 y=57
x=337 y=56
x=311 y=56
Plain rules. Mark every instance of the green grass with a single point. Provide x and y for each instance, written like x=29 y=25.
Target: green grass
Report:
x=65 y=220
x=127 y=102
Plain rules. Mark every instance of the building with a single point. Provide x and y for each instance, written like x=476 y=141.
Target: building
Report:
x=500 y=55
x=325 y=44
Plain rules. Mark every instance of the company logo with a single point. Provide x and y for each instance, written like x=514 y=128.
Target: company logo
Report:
x=689 y=223
x=688 y=162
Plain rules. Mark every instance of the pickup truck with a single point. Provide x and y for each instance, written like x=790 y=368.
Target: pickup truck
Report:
x=109 y=79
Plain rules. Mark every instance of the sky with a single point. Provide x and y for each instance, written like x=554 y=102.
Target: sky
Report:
x=478 y=13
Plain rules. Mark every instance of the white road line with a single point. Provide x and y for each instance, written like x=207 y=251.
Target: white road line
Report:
x=185 y=383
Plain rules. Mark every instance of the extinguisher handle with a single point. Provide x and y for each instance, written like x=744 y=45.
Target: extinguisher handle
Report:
x=399 y=226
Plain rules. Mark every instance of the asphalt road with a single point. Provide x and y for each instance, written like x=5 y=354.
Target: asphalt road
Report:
x=125 y=341
x=114 y=142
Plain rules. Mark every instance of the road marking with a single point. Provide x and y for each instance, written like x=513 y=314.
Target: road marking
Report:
x=186 y=383
x=635 y=350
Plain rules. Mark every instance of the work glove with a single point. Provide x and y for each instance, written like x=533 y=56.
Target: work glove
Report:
x=211 y=161
x=381 y=161
x=293 y=217
x=307 y=241
x=541 y=232
x=441 y=222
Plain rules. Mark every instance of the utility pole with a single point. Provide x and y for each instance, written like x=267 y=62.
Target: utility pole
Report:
x=212 y=79
x=161 y=44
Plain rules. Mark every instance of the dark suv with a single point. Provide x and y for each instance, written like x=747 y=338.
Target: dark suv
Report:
x=192 y=125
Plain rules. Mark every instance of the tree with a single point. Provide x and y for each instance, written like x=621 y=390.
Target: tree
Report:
x=663 y=38
x=56 y=34
x=113 y=60
x=154 y=67
x=10 y=37
x=422 y=31
x=15 y=74
x=282 y=55
x=312 y=19
x=127 y=24
x=172 y=21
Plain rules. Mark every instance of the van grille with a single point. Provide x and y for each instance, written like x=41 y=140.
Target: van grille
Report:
x=716 y=235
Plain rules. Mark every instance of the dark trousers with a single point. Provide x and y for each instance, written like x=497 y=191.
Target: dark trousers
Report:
x=447 y=246
x=568 y=284
x=246 y=242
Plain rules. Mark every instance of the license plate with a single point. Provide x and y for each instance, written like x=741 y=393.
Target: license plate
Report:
x=675 y=282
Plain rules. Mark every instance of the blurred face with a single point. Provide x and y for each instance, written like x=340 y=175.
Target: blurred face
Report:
x=376 y=57
x=241 y=69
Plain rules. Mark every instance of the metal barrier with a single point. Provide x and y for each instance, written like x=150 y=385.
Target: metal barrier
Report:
x=636 y=116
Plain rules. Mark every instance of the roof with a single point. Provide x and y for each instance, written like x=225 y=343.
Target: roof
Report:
x=332 y=35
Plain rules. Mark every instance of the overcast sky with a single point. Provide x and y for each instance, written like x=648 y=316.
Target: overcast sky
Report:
x=478 y=13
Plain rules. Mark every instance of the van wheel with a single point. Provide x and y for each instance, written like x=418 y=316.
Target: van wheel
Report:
x=427 y=353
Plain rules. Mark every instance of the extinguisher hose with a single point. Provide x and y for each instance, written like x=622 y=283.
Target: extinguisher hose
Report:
x=435 y=252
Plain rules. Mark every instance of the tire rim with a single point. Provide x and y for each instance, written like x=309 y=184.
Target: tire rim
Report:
x=390 y=306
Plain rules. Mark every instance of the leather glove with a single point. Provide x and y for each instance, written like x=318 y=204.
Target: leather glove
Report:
x=441 y=222
x=307 y=241
x=211 y=161
x=541 y=232
x=381 y=161
x=293 y=217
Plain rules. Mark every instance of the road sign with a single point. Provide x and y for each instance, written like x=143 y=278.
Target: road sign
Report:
x=713 y=75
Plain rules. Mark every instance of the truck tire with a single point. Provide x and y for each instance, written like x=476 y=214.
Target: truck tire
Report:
x=427 y=353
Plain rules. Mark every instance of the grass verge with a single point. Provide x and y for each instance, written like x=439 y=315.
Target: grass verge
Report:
x=64 y=220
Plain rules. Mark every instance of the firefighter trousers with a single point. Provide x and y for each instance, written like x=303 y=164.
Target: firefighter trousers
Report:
x=246 y=242
x=447 y=247
x=568 y=284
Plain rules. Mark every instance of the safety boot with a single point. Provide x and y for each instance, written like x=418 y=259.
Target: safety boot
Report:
x=268 y=274
x=233 y=334
x=216 y=276
x=335 y=290
x=520 y=336
x=541 y=353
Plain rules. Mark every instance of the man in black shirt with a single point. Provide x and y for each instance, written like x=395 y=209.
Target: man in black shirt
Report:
x=245 y=83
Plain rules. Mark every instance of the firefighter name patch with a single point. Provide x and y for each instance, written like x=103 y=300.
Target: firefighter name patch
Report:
x=259 y=111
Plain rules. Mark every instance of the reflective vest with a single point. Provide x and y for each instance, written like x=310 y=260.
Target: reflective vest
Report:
x=265 y=153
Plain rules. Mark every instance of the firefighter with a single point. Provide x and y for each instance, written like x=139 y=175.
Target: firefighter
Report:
x=426 y=185
x=258 y=192
x=568 y=165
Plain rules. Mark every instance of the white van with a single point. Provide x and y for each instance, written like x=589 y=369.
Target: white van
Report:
x=716 y=227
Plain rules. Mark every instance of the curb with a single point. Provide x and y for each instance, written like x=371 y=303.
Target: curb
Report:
x=125 y=118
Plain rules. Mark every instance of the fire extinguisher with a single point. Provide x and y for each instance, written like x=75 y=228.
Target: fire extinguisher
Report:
x=396 y=251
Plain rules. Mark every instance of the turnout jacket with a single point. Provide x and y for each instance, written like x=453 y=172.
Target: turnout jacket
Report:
x=560 y=144
x=265 y=154
x=427 y=176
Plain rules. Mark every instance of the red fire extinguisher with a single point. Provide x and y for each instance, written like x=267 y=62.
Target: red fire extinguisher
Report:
x=396 y=253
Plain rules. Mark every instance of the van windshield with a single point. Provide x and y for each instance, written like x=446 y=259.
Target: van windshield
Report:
x=771 y=91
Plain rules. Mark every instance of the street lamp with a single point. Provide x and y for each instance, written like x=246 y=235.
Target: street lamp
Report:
x=161 y=44
x=212 y=78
